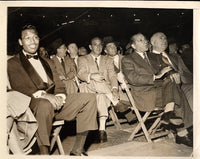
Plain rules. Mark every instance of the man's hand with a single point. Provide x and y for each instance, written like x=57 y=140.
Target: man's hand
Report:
x=56 y=101
x=115 y=94
x=97 y=77
x=120 y=77
x=162 y=72
x=176 y=77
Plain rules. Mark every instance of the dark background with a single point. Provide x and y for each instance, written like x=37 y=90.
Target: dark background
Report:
x=81 y=24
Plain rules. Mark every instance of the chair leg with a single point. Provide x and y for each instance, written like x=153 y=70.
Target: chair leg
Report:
x=60 y=147
x=55 y=135
x=139 y=126
x=115 y=118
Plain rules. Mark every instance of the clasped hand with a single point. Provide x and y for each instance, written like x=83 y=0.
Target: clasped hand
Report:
x=56 y=101
x=97 y=77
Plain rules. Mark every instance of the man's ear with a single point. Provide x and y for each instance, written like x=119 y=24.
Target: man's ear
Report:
x=133 y=45
x=20 y=42
x=90 y=47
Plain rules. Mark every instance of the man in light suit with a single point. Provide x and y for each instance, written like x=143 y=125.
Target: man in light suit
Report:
x=110 y=48
x=65 y=66
x=33 y=76
x=98 y=76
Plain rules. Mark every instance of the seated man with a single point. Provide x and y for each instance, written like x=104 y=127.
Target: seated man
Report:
x=98 y=76
x=110 y=48
x=33 y=76
x=152 y=87
x=64 y=66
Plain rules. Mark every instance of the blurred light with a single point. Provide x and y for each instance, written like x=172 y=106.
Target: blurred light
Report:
x=182 y=13
x=66 y=16
x=58 y=24
x=137 y=20
x=21 y=14
x=43 y=16
x=134 y=14
x=64 y=23
x=111 y=15
x=72 y=21
x=158 y=14
x=88 y=15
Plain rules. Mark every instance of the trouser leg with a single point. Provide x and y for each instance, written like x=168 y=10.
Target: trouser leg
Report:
x=44 y=113
x=82 y=107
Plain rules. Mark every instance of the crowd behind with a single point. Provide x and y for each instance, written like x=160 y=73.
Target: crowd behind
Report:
x=78 y=84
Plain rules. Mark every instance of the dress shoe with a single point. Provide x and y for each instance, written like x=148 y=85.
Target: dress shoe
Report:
x=102 y=136
x=76 y=154
x=170 y=117
x=184 y=140
x=130 y=116
x=122 y=106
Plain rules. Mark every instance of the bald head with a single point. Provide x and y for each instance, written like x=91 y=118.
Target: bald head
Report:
x=159 y=42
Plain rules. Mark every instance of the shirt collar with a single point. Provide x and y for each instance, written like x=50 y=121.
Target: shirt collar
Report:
x=156 y=52
x=98 y=58
x=25 y=53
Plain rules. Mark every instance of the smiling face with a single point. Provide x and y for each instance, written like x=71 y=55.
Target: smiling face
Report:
x=29 y=41
x=140 y=43
x=111 y=49
x=96 y=46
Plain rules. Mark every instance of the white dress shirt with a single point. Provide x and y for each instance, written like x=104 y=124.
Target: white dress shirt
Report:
x=37 y=65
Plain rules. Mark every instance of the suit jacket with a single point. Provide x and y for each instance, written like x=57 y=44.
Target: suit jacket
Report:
x=68 y=73
x=180 y=67
x=87 y=65
x=146 y=92
x=70 y=68
x=23 y=77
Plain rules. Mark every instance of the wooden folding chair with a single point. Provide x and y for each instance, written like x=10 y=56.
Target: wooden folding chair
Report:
x=150 y=133
x=114 y=118
x=57 y=126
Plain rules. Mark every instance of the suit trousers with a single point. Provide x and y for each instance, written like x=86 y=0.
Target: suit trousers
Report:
x=102 y=91
x=80 y=107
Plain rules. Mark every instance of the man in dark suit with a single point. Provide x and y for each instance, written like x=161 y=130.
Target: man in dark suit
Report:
x=182 y=78
x=65 y=66
x=151 y=84
x=33 y=76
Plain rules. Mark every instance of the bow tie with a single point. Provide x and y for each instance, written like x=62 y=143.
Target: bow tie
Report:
x=29 y=57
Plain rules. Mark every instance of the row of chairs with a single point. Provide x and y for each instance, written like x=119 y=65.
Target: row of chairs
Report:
x=148 y=133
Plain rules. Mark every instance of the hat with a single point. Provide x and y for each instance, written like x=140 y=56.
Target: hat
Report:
x=109 y=39
x=57 y=43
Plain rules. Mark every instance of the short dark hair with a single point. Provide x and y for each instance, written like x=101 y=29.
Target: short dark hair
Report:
x=96 y=37
x=29 y=26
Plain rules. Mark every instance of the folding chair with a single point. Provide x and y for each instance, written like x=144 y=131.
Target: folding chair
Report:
x=57 y=126
x=111 y=111
x=150 y=133
x=114 y=118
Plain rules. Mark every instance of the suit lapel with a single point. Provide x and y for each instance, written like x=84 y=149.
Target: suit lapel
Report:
x=36 y=79
x=59 y=66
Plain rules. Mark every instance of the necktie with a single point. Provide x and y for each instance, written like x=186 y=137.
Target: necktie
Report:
x=165 y=60
x=96 y=63
x=62 y=63
x=145 y=58
x=29 y=57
